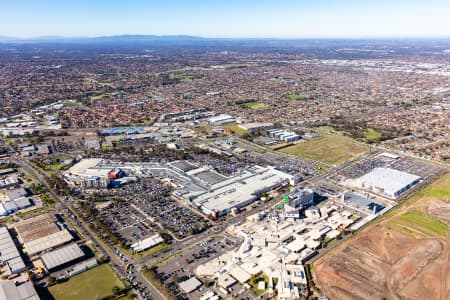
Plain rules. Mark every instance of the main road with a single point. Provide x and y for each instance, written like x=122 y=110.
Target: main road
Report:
x=65 y=206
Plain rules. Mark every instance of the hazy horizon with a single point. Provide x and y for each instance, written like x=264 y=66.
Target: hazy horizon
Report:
x=282 y=19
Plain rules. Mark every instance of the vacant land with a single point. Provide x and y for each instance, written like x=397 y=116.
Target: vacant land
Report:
x=184 y=78
x=418 y=223
x=402 y=256
x=295 y=97
x=371 y=135
x=99 y=96
x=440 y=189
x=328 y=149
x=90 y=285
x=236 y=129
x=254 y=105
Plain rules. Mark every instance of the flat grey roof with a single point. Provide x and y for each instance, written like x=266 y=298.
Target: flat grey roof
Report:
x=7 y=171
x=240 y=189
x=25 y=291
x=47 y=242
x=61 y=256
x=360 y=201
x=389 y=180
x=16 y=193
x=9 y=253
x=190 y=285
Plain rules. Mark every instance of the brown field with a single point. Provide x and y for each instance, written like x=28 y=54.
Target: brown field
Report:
x=388 y=262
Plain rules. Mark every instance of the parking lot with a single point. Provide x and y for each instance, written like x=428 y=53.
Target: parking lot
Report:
x=300 y=167
x=362 y=167
x=179 y=220
x=225 y=166
x=419 y=168
x=181 y=267
x=126 y=223
x=138 y=210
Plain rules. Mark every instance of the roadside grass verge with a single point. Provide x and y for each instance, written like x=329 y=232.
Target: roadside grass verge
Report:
x=144 y=253
x=151 y=277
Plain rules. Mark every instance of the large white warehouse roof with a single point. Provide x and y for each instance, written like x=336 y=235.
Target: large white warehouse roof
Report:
x=391 y=182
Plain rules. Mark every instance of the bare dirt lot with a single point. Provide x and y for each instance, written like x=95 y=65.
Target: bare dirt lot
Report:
x=393 y=258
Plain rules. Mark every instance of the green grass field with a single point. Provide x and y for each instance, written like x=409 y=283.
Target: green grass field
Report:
x=329 y=149
x=372 y=135
x=295 y=97
x=419 y=224
x=90 y=285
x=184 y=78
x=440 y=193
x=327 y=130
x=236 y=129
x=253 y=105
x=99 y=97
x=440 y=189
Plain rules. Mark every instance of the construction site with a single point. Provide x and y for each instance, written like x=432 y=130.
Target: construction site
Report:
x=402 y=256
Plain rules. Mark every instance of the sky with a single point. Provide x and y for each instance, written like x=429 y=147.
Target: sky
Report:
x=227 y=18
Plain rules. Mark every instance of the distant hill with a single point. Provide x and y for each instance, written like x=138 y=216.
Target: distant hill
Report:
x=4 y=38
x=318 y=48
x=104 y=39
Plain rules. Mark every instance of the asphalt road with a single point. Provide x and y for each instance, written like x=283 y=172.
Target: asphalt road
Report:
x=108 y=250
x=64 y=207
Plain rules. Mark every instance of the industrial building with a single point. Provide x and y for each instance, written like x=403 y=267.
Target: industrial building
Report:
x=255 y=126
x=9 y=207
x=47 y=242
x=41 y=233
x=7 y=171
x=9 y=254
x=388 y=182
x=35 y=228
x=16 y=194
x=10 y=291
x=8 y=182
x=284 y=135
x=79 y=267
x=221 y=119
x=239 y=191
x=62 y=256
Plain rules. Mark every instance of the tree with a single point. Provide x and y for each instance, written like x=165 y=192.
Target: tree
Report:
x=116 y=290
x=51 y=280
